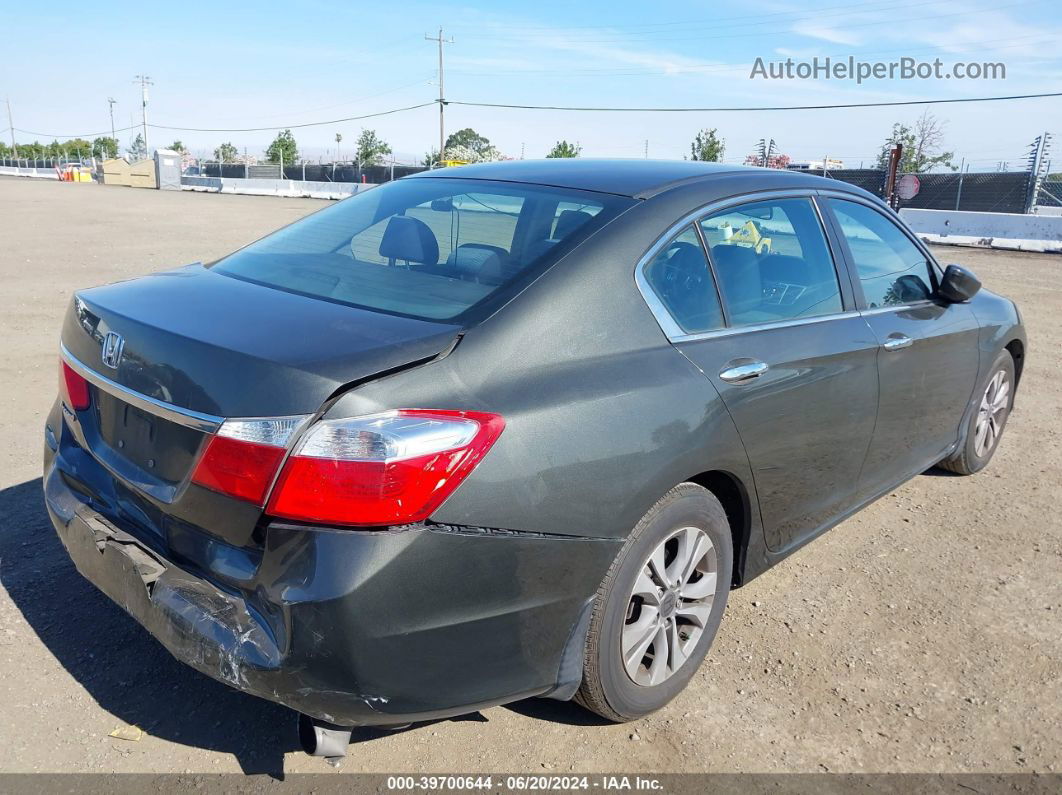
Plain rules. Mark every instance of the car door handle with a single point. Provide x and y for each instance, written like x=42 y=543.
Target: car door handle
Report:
x=897 y=342
x=748 y=370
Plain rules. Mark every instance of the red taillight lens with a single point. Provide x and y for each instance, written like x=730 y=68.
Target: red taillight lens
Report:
x=76 y=387
x=239 y=469
x=241 y=460
x=393 y=468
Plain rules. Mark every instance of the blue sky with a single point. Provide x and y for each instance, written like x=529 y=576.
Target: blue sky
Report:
x=237 y=65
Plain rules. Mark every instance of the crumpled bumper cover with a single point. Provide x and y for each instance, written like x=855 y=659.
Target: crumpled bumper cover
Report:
x=359 y=628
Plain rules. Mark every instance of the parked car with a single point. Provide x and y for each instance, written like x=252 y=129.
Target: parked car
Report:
x=508 y=430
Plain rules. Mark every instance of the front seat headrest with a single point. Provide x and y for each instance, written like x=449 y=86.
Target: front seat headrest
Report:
x=409 y=239
x=568 y=221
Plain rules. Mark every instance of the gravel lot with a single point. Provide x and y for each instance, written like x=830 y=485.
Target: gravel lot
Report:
x=923 y=635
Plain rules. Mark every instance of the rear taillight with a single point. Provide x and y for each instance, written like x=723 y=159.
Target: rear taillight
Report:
x=75 y=387
x=382 y=469
x=242 y=458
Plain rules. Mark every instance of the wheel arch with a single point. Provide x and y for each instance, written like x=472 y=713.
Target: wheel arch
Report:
x=734 y=497
x=1016 y=348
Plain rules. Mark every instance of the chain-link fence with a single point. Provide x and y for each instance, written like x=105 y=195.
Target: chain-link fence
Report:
x=1050 y=194
x=993 y=192
x=312 y=172
x=49 y=162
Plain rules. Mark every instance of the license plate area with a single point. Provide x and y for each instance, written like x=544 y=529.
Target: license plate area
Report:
x=164 y=450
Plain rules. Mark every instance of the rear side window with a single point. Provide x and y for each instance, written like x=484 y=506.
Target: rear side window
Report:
x=680 y=277
x=892 y=270
x=772 y=261
x=436 y=249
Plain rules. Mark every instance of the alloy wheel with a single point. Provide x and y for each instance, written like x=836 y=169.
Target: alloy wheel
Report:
x=669 y=606
x=992 y=413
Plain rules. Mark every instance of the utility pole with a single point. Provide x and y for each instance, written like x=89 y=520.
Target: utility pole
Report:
x=766 y=151
x=895 y=156
x=646 y=148
x=144 y=81
x=110 y=105
x=11 y=124
x=442 y=99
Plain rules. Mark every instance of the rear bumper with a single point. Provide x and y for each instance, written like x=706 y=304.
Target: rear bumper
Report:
x=356 y=628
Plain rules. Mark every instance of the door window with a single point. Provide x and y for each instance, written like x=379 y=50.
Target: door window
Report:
x=680 y=278
x=772 y=261
x=892 y=270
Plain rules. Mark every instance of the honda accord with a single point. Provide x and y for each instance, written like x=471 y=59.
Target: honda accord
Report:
x=508 y=430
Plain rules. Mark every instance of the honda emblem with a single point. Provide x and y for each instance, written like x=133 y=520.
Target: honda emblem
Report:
x=112 y=349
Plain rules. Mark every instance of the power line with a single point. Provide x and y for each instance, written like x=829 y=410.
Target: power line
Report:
x=81 y=135
x=760 y=108
x=559 y=108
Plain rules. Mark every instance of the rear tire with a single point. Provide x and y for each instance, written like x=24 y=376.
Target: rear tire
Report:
x=993 y=402
x=646 y=640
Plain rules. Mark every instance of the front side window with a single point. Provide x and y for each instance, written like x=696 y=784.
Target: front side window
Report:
x=680 y=277
x=772 y=261
x=430 y=248
x=892 y=270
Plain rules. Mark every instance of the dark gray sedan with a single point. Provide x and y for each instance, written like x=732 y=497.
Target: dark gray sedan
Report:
x=508 y=430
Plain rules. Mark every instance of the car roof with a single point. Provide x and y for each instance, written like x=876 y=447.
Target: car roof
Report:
x=637 y=178
x=624 y=177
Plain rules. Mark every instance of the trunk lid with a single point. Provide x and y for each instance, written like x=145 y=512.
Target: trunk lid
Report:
x=218 y=345
x=214 y=346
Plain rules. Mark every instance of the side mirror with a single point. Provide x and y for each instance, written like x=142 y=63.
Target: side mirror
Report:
x=958 y=285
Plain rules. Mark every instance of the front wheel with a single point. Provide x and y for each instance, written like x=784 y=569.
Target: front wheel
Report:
x=995 y=399
x=659 y=606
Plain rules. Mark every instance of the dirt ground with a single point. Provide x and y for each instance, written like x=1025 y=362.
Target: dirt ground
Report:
x=923 y=635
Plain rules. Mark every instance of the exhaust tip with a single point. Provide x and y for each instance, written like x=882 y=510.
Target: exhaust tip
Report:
x=318 y=738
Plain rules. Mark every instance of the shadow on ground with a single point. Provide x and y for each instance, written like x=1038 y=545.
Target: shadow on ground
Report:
x=131 y=676
x=120 y=665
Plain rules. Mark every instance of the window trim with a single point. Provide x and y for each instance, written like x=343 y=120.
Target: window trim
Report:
x=663 y=317
x=935 y=273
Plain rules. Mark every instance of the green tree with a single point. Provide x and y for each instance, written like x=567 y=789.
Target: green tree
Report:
x=370 y=149
x=226 y=153
x=707 y=146
x=922 y=146
x=33 y=151
x=283 y=149
x=138 y=149
x=564 y=149
x=5 y=150
x=105 y=148
x=77 y=147
x=431 y=159
x=178 y=146
x=469 y=139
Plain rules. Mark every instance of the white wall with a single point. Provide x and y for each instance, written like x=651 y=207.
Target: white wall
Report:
x=40 y=173
x=987 y=230
x=275 y=187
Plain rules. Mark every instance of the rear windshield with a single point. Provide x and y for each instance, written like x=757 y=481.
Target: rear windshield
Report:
x=435 y=249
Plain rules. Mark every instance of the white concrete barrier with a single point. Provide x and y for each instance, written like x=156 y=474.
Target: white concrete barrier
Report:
x=1041 y=233
x=22 y=171
x=275 y=187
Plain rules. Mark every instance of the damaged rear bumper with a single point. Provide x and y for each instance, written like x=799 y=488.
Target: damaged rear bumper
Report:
x=356 y=627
